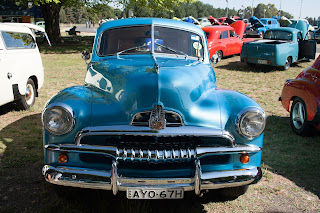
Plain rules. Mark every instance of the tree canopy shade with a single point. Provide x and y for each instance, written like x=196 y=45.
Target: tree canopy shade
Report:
x=51 y=9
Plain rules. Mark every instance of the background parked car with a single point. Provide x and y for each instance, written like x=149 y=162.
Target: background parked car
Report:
x=204 y=22
x=281 y=47
x=225 y=40
x=21 y=67
x=258 y=27
x=304 y=94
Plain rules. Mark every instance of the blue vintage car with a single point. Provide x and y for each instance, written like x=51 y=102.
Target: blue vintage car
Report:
x=149 y=119
x=258 y=27
x=281 y=46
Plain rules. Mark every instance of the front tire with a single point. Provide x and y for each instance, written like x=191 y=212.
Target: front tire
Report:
x=218 y=55
x=298 y=118
x=27 y=100
x=261 y=34
x=287 y=64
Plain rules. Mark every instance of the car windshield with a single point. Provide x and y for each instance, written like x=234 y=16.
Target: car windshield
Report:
x=117 y=40
x=137 y=40
x=278 y=35
x=264 y=21
x=181 y=41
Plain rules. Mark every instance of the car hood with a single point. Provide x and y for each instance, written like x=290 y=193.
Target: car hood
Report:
x=239 y=27
x=124 y=87
x=214 y=21
x=255 y=22
x=284 y=21
x=300 y=25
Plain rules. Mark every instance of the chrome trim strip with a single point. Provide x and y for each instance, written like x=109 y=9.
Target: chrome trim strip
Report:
x=131 y=154
x=146 y=131
x=197 y=177
x=114 y=178
x=209 y=180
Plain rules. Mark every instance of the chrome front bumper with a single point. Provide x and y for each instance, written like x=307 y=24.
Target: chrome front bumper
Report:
x=109 y=180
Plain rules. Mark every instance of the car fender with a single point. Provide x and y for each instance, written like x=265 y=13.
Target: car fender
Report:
x=231 y=104
x=78 y=99
x=285 y=50
x=303 y=89
x=215 y=47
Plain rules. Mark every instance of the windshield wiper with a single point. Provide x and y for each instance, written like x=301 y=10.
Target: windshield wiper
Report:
x=132 y=48
x=171 y=49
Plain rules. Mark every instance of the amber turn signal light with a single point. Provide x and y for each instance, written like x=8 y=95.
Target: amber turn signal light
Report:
x=63 y=158
x=244 y=158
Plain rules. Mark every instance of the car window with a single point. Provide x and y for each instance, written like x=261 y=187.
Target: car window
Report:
x=232 y=33
x=15 y=40
x=224 y=34
x=178 y=40
x=264 y=21
x=278 y=35
x=116 y=40
x=269 y=22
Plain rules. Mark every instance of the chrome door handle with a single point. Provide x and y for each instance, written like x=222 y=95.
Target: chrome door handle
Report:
x=9 y=75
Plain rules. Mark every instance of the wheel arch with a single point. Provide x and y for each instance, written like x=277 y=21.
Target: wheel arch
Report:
x=36 y=83
x=306 y=92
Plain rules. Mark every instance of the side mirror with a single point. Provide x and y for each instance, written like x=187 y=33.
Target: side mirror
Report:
x=85 y=55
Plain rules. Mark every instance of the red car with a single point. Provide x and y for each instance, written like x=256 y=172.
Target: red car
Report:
x=304 y=93
x=225 y=40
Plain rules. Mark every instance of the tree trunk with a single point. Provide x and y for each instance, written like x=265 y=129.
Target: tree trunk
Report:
x=51 y=17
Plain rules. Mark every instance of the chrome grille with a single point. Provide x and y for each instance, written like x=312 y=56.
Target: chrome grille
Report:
x=142 y=119
x=154 y=154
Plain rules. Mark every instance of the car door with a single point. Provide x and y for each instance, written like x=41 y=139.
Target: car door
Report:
x=307 y=47
x=5 y=75
x=235 y=43
x=225 y=42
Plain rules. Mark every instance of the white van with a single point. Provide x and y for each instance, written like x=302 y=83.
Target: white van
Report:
x=21 y=70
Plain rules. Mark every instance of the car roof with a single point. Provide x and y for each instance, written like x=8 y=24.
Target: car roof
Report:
x=14 y=28
x=149 y=21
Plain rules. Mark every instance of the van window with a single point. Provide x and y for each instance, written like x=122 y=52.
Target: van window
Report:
x=14 y=40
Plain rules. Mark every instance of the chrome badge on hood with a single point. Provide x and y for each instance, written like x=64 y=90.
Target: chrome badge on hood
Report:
x=157 y=118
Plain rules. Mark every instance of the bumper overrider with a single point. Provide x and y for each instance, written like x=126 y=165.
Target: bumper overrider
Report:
x=110 y=179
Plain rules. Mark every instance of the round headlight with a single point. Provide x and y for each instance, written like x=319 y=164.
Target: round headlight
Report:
x=58 y=120
x=251 y=122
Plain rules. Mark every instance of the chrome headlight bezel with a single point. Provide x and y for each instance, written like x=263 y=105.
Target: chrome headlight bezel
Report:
x=244 y=115
x=68 y=116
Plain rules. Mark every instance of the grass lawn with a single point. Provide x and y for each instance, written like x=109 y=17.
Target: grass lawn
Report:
x=291 y=174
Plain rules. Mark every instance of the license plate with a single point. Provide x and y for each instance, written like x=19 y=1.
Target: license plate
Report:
x=141 y=193
x=262 y=62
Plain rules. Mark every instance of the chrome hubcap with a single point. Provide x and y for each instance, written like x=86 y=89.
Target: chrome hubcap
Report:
x=298 y=115
x=218 y=56
x=29 y=94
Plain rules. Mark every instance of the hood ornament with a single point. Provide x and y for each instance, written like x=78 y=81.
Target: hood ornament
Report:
x=157 y=118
